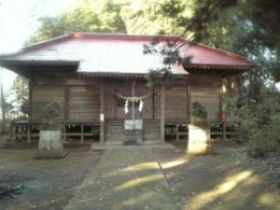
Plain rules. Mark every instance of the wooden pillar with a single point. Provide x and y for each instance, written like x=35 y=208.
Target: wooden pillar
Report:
x=102 y=114
x=239 y=131
x=66 y=102
x=153 y=106
x=20 y=131
x=64 y=132
x=222 y=111
x=66 y=112
x=28 y=132
x=11 y=132
x=133 y=102
x=30 y=104
x=189 y=104
x=177 y=133
x=224 y=131
x=162 y=114
x=82 y=133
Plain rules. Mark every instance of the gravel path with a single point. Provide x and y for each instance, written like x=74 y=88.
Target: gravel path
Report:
x=129 y=179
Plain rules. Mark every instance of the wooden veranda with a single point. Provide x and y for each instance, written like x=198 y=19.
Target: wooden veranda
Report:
x=90 y=131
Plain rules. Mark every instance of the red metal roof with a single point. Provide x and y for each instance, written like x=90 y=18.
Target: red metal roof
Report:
x=116 y=53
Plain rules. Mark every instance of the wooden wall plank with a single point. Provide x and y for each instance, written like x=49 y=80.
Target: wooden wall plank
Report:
x=176 y=103
x=84 y=98
x=84 y=103
x=209 y=98
x=43 y=94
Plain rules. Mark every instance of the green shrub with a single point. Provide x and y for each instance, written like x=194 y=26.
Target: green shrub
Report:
x=261 y=122
x=51 y=116
x=199 y=114
x=264 y=142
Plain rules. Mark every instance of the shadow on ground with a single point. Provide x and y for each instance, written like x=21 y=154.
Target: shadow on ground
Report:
x=135 y=178
x=129 y=179
x=217 y=182
x=169 y=179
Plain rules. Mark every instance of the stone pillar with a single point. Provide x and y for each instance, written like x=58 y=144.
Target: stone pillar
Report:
x=50 y=144
x=199 y=140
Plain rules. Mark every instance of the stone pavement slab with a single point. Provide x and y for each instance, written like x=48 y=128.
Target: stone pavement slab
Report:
x=124 y=179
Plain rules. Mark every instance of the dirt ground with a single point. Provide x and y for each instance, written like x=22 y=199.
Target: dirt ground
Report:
x=43 y=184
x=227 y=180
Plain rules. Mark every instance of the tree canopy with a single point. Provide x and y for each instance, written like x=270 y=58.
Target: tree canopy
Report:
x=249 y=28
x=98 y=16
x=245 y=27
x=221 y=23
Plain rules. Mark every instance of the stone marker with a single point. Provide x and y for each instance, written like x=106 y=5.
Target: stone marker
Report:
x=50 y=142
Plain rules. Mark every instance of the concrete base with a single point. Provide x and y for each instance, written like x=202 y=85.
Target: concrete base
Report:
x=50 y=144
x=199 y=140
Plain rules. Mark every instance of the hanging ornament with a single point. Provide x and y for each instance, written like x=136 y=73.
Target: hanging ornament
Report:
x=141 y=104
x=126 y=107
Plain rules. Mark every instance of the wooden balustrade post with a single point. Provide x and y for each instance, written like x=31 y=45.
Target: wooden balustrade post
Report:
x=224 y=131
x=162 y=115
x=82 y=134
x=28 y=133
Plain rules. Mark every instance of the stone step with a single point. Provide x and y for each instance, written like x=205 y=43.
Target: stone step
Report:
x=114 y=127
x=119 y=136
x=117 y=142
x=121 y=128
x=151 y=129
x=152 y=142
x=147 y=142
x=115 y=132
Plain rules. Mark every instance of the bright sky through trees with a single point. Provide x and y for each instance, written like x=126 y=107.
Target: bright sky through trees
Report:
x=19 y=19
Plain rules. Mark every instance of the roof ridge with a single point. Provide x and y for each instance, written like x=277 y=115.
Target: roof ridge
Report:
x=227 y=53
x=67 y=35
x=126 y=35
x=80 y=35
x=121 y=37
x=38 y=45
x=224 y=52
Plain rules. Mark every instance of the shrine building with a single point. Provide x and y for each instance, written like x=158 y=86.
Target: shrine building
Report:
x=100 y=81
